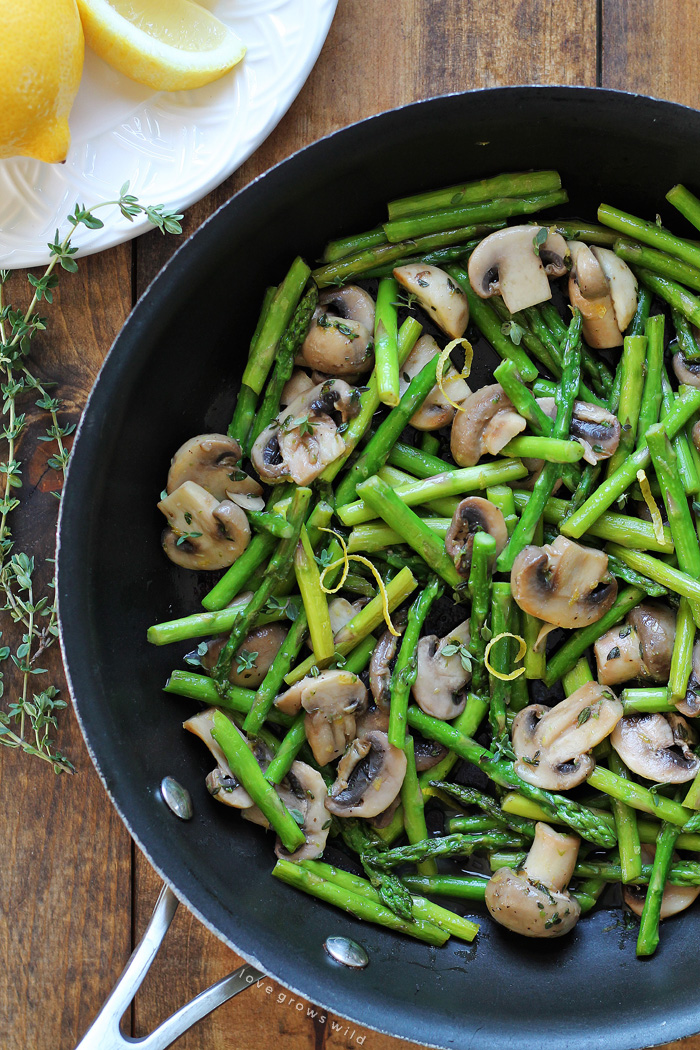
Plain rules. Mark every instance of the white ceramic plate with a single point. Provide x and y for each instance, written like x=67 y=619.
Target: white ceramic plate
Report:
x=174 y=147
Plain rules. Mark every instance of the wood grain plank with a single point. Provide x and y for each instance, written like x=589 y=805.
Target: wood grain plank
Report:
x=376 y=56
x=65 y=865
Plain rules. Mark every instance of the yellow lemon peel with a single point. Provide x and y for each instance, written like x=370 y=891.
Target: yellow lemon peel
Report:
x=345 y=562
x=521 y=652
x=656 y=520
x=464 y=374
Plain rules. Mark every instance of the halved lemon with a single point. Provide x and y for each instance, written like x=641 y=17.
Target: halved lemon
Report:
x=169 y=45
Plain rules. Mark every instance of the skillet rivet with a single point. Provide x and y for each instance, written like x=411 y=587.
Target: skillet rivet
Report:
x=177 y=798
x=347 y=952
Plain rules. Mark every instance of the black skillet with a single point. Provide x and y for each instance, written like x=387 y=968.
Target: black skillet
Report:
x=172 y=373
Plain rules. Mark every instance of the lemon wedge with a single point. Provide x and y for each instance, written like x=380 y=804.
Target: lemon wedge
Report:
x=169 y=45
x=41 y=61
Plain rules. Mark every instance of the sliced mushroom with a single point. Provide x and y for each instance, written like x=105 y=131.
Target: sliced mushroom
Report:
x=563 y=583
x=512 y=263
x=303 y=791
x=299 y=384
x=369 y=777
x=473 y=515
x=221 y=782
x=641 y=647
x=690 y=705
x=340 y=338
x=204 y=532
x=687 y=372
x=486 y=423
x=443 y=300
x=384 y=819
x=552 y=744
x=534 y=901
x=380 y=669
x=305 y=438
x=332 y=699
x=594 y=427
x=341 y=611
x=436 y=411
x=604 y=289
x=657 y=747
x=373 y=719
x=427 y=752
x=441 y=677
x=675 y=898
x=253 y=658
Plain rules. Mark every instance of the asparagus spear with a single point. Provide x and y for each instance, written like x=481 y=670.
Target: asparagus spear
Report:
x=406 y=668
x=272 y=682
x=546 y=481
x=578 y=641
x=583 y=820
x=661 y=263
x=461 y=887
x=468 y=796
x=626 y=826
x=413 y=807
x=501 y=658
x=687 y=468
x=651 y=397
x=386 y=353
x=623 y=572
x=686 y=203
x=648 y=699
x=649 y=233
x=366 y=842
x=479 y=211
x=659 y=571
x=515 y=327
x=677 y=297
x=357 y=242
x=616 y=528
x=632 y=365
x=682 y=658
x=247 y=397
x=684 y=334
x=512 y=184
x=294 y=335
x=648 y=938
x=314 y=598
x=447 y=846
x=276 y=572
x=638 y=797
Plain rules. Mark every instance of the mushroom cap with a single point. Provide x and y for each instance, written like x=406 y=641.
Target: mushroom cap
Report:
x=340 y=338
x=304 y=438
x=656 y=747
x=380 y=669
x=210 y=460
x=508 y=263
x=690 y=705
x=589 y=292
x=687 y=372
x=641 y=647
x=622 y=285
x=473 y=514
x=527 y=908
x=563 y=583
x=618 y=655
x=296 y=386
x=203 y=533
x=443 y=300
x=593 y=426
x=221 y=783
x=304 y=789
x=340 y=612
x=436 y=411
x=369 y=777
x=675 y=898
x=440 y=679
x=254 y=655
x=552 y=745
x=331 y=701
x=486 y=423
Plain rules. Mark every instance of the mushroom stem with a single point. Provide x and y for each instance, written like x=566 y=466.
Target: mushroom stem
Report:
x=552 y=857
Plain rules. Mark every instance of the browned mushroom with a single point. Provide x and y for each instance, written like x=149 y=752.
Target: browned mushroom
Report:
x=369 y=777
x=442 y=672
x=203 y=532
x=657 y=747
x=604 y=289
x=563 y=583
x=436 y=411
x=340 y=338
x=552 y=744
x=687 y=372
x=596 y=429
x=473 y=515
x=332 y=699
x=675 y=898
x=380 y=668
x=303 y=791
x=253 y=658
x=641 y=647
x=443 y=300
x=515 y=264
x=690 y=705
x=486 y=423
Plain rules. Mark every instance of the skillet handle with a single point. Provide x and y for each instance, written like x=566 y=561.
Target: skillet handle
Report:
x=105 y=1034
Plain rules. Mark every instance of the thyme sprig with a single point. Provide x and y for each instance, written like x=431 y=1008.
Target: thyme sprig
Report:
x=29 y=719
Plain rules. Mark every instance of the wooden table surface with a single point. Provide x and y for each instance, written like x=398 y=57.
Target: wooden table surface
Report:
x=76 y=893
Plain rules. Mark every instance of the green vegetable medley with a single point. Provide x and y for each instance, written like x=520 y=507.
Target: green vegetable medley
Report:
x=450 y=647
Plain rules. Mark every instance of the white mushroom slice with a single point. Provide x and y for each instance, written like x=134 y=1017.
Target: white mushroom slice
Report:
x=534 y=901
x=331 y=699
x=486 y=423
x=340 y=612
x=299 y=384
x=473 y=514
x=254 y=657
x=657 y=747
x=622 y=285
x=305 y=437
x=436 y=411
x=340 y=338
x=443 y=300
x=303 y=791
x=563 y=583
x=510 y=262
x=443 y=670
x=203 y=533
x=641 y=647
x=221 y=783
x=370 y=776
x=211 y=460
x=552 y=745
x=675 y=898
